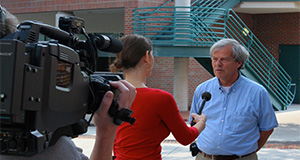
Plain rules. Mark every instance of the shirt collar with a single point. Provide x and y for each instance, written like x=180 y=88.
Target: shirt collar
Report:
x=233 y=86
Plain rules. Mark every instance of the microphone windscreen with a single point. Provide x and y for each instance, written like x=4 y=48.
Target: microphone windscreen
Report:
x=206 y=96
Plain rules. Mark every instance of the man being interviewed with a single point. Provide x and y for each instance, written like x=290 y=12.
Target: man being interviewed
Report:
x=240 y=116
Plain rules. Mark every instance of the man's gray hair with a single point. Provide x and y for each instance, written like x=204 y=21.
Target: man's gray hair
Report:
x=8 y=22
x=239 y=52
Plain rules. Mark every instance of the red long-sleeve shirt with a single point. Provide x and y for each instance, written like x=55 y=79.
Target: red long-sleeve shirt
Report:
x=156 y=116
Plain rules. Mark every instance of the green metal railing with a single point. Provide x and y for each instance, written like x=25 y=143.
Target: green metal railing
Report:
x=261 y=62
x=208 y=3
x=172 y=27
x=202 y=27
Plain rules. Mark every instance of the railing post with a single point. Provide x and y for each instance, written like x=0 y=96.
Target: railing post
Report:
x=226 y=23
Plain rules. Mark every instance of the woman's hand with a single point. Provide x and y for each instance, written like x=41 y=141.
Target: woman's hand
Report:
x=200 y=121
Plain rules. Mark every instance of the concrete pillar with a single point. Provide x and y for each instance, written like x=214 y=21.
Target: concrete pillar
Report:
x=181 y=64
x=181 y=74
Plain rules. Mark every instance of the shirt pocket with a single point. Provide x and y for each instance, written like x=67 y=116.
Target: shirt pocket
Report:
x=243 y=122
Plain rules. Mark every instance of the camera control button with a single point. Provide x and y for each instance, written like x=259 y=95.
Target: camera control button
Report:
x=12 y=144
x=2 y=97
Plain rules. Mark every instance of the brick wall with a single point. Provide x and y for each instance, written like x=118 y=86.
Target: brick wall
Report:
x=247 y=19
x=144 y=3
x=128 y=20
x=197 y=75
x=29 y=6
x=32 y=6
x=162 y=75
x=274 y=29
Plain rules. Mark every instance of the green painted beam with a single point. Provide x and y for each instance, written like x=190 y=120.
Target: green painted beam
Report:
x=180 y=51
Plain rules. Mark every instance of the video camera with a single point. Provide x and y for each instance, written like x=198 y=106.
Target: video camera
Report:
x=48 y=87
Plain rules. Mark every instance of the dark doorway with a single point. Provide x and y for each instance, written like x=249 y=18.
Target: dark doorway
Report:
x=289 y=58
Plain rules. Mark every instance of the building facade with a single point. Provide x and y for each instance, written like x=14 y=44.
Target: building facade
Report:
x=275 y=24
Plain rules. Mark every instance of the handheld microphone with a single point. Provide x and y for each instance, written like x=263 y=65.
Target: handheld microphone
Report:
x=206 y=97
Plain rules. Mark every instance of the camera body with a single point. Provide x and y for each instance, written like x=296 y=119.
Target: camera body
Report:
x=47 y=87
x=38 y=96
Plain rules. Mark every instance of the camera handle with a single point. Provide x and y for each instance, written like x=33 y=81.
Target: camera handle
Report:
x=99 y=86
x=120 y=116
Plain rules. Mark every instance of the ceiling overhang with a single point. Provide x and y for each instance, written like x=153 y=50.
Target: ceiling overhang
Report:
x=267 y=7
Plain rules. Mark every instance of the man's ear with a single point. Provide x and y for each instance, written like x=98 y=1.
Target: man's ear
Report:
x=240 y=64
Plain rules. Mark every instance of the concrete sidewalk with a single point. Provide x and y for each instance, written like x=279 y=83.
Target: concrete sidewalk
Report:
x=283 y=144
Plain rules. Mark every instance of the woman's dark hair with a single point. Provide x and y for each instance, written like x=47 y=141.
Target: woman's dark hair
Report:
x=134 y=48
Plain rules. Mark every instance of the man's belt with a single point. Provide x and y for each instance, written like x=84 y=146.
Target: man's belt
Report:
x=222 y=157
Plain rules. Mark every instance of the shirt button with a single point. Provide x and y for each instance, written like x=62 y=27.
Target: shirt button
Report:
x=222 y=120
x=220 y=134
x=224 y=108
x=219 y=147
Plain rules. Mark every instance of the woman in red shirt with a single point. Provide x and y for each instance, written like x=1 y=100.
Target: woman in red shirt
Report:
x=155 y=110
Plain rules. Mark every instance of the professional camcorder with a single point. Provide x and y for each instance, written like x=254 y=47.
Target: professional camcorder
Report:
x=48 y=87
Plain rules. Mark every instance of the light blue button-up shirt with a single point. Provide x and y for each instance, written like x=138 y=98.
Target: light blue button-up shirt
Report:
x=234 y=118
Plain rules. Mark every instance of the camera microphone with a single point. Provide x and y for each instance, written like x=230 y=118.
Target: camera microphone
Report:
x=103 y=42
x=108 y=44
x=28 y=36
x=206 y=96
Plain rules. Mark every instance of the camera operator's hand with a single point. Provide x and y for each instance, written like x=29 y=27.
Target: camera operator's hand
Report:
x=200 y=121
x=127 y=93
x=105 y=128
